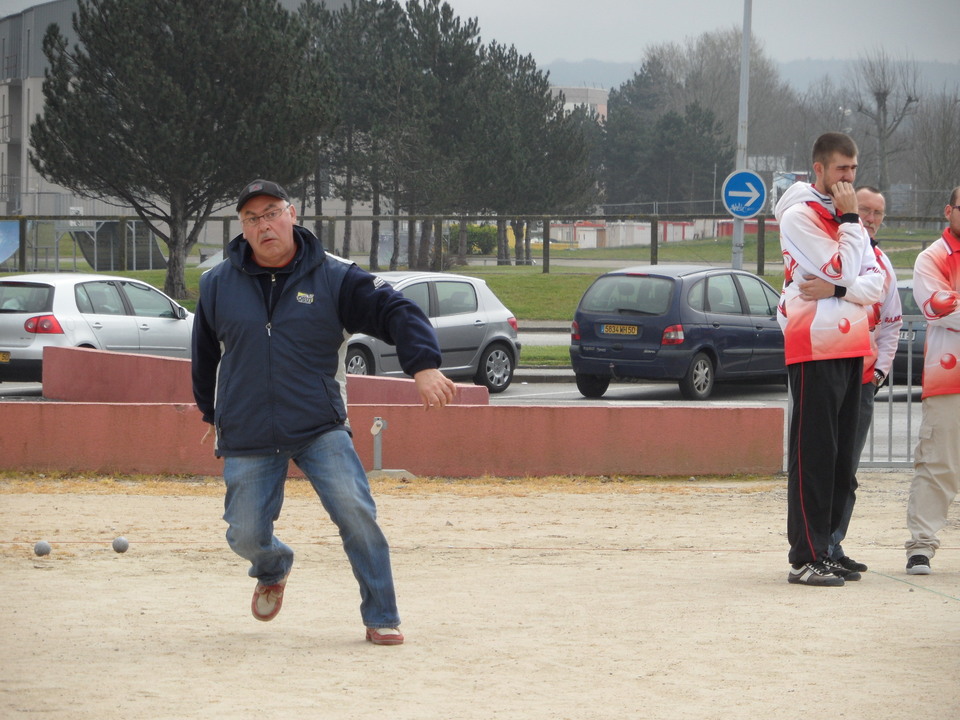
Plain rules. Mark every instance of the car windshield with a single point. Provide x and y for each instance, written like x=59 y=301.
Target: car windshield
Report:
x=629 y=294
x=26 y=297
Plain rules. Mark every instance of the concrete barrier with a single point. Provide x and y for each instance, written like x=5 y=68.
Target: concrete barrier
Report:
x=463 y=440
x=87 y=375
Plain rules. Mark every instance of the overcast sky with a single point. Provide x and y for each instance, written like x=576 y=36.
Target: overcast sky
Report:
x=620 y=30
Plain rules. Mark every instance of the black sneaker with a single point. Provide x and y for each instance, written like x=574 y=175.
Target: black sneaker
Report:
x=837 y=568
x=918 y=565
x=814 y=573
x=852 y=565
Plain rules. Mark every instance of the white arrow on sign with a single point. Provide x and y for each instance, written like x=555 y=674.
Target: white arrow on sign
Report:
x=752 y=193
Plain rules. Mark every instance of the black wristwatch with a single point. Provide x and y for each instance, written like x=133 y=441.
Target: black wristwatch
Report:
x=879 y=378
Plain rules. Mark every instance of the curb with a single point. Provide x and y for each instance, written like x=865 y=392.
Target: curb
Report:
x=543 y=374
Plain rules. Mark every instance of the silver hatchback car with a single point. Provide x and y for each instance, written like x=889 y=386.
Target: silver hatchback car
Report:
x=83 y=310
x=477 y=333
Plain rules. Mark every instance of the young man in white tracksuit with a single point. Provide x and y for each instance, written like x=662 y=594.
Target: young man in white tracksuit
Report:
x=825 y=342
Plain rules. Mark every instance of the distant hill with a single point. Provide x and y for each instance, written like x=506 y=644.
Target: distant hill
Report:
x=803 y=73
x=799 y=73
x=591 y=73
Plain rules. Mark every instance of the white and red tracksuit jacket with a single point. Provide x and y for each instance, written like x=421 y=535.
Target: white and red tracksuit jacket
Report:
x=815 y=243
x=936 y=288
x=886 y=334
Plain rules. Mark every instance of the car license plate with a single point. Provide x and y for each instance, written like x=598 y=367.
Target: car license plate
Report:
x=908 y=335
x=618 y=329
x=4 y=357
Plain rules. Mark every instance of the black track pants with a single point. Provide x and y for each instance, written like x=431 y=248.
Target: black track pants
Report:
x=821 y=462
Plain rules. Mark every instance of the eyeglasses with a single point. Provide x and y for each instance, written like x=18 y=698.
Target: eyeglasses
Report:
x=270 y=216
x=955 y=207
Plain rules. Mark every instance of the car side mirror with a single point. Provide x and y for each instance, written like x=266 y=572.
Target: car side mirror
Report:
x=181 y=312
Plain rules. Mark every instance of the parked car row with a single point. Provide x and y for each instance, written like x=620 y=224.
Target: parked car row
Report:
x=477 y=333
x=694 y=325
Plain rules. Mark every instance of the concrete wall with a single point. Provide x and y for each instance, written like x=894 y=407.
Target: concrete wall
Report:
x=464 y=440
x=86 y=375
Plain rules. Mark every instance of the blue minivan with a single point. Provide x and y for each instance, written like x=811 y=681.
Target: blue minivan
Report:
x=694 y=325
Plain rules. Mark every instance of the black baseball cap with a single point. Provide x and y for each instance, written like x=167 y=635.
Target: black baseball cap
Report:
x=261 y=187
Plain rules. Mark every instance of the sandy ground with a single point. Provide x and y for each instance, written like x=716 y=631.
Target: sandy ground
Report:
x=558 y=599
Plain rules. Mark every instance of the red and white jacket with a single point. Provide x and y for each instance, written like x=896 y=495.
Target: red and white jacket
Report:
x=936 y=288
x=815 y=243
x=886 y=334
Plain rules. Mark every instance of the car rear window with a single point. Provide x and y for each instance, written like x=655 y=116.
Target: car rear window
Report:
x=642 y=294
x=25 y=297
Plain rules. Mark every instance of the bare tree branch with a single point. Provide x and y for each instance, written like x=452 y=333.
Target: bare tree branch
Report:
x=887 y=92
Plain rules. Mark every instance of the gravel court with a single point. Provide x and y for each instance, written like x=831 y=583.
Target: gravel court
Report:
x=600 y=598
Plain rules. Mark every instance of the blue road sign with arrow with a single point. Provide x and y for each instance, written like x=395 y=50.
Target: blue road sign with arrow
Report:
x=744 y=194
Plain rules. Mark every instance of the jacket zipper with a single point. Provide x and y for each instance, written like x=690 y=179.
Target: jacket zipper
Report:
x=273 y=284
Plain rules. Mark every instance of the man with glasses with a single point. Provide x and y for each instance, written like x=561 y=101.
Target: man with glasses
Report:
x=270 y=322
x=936 y=480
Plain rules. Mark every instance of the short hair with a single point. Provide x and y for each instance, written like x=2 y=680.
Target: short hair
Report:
x=870 y=188
x=833 y=142
x=955 y=196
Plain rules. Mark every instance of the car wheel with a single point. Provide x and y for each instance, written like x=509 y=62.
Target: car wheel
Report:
x=592 y=386
x=359 y=361
x=697 y=384
x=496 y=368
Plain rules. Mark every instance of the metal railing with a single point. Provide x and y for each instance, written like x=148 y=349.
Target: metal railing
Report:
x=896 y=411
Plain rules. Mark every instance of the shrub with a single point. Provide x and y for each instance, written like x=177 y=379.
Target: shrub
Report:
x=481 y=239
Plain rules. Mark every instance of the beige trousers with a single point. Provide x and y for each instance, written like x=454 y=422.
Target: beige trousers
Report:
x=936 y=479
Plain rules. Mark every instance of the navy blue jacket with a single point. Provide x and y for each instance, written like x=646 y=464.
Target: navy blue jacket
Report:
x=267 y=378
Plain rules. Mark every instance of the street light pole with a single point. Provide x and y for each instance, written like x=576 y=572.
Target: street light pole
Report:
x=737 y=260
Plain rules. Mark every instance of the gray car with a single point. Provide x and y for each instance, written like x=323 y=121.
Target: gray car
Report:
x=104 y=312
x=477 y=333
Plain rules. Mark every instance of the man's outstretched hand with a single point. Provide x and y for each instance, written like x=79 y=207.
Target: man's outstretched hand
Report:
x=435 y=388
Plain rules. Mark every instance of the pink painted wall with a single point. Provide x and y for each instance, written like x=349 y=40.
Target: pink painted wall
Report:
x=86 y=375
x=539 y=440
x=464 y=440
x=457 y=441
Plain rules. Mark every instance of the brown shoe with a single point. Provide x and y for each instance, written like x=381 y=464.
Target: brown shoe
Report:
x=385 y=636
x=267 y=600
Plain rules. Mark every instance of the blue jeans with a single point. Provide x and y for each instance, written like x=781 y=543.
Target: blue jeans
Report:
x=254 y=497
